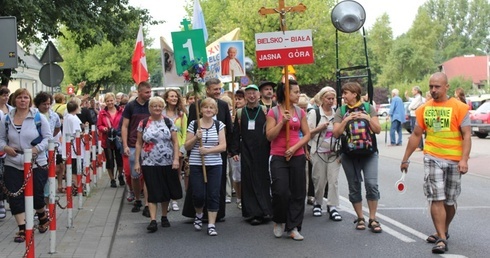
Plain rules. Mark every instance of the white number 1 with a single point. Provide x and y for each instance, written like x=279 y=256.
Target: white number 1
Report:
x=188 y=45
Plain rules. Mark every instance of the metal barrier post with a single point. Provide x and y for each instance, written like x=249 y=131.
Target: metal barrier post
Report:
x=69 y=195
x=52 y=193
x=78 y=149
x=93 y=148
x=86 y=138
x=29 y=203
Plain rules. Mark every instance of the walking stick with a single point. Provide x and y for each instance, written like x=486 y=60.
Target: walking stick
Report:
x=198 y=120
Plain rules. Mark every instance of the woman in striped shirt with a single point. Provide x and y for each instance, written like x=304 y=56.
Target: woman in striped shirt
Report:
x=212 y=136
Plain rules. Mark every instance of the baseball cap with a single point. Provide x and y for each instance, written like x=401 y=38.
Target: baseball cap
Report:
x=252 y=87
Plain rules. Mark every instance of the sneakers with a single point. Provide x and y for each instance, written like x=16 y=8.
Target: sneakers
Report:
x=137 y=206
x=165 y=222
x=3 y=212
x=146 y=212
x=227 y=200
x=239 y=205
x=175 y=206
x=198 y=223
x=152 y=227
x=317 y=210
x=295 y=235
x=278 y=229
x=212 y=231
x=130 y=196
x=113 y=183
x=121 y=180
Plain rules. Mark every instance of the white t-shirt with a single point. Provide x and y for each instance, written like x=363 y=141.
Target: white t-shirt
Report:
x=71 y=123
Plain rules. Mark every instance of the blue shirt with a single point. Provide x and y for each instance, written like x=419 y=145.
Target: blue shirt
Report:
x=397 y=110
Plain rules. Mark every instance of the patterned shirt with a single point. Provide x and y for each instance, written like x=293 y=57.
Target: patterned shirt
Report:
x=157 y=147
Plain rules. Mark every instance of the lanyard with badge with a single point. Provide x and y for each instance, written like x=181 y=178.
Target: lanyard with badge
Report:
x=251 y=122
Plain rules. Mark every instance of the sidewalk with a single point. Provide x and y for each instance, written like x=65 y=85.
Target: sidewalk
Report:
x=92 y=232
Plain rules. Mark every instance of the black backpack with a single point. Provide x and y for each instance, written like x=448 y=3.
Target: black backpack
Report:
x=166 y=119
x=358 y=139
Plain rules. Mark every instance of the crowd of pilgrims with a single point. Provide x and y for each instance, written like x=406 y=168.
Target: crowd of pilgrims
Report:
x=205 y=148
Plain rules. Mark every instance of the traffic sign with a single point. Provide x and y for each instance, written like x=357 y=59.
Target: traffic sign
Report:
x=51 y=75
x=70 y=90
x=281 y=49
x=51 y=54
x=290 y=70
x=8 y=50
x=189 y=44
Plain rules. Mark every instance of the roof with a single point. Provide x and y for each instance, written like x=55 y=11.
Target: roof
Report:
x=470 y=67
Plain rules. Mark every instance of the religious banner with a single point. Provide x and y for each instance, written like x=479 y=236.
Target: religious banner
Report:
x=214 y=60
x=189 y=47
x=170 y=77
x=282 y=49
x=232 y=55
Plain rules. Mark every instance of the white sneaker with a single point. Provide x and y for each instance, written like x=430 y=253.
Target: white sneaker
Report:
x=228 y=200
x=3 y=212
x=175 y=206
x=278 y=229
x=295 y=235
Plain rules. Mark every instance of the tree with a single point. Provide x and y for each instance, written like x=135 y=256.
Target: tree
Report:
x=380 y=44
x=91 y=22
x=223 y=16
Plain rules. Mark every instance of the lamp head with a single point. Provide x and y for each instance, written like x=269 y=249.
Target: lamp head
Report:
x=348 y=16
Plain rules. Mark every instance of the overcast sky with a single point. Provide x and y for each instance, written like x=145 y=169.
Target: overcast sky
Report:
x=401 y=14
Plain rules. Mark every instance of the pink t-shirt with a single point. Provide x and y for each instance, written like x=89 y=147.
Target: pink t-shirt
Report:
x=278 y=145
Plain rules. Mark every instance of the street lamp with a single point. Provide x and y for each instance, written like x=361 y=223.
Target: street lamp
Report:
x=488 y=68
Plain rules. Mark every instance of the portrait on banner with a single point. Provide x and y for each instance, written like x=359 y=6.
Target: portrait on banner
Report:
x=232 y=55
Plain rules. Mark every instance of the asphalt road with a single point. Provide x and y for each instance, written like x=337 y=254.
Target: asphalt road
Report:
x=404 y=217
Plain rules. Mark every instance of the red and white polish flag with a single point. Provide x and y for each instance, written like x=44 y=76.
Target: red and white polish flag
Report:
x=140 y=69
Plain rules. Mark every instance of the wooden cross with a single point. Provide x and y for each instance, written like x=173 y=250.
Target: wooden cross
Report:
x=185 y=23
x=282 y=10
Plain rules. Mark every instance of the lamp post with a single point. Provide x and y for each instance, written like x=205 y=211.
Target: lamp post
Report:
x=487 y=65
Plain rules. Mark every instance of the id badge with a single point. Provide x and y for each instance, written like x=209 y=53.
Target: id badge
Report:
x=437 y=126
x=251 y=124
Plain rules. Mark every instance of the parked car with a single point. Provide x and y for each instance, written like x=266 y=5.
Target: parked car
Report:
x=384 y=110
x=480 y=120
x=406 y=125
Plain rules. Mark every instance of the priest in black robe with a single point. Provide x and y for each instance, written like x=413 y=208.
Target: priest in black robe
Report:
x=251 y=147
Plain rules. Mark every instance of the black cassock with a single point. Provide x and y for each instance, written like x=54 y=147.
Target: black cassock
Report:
x=254 y=152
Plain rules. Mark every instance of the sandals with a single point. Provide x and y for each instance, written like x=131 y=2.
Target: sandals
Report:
x=433 y=238
x=317 y=211
x=20 y=236
x=374 y=226
x=440 y=249
x=43 y=224
x=212 y=231
x=361 y=224
x=335 y=215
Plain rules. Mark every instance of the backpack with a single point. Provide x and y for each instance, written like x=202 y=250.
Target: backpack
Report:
x=166 y=119
x=37 y=121
x=358 y=139
x=275 y=110
x=317 y=112
x=239 y=114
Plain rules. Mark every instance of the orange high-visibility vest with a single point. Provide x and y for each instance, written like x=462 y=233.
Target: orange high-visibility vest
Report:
x=442 y=123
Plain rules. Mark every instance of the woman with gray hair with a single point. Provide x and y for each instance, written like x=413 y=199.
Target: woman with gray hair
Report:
x=416 y=102
x=326 y=162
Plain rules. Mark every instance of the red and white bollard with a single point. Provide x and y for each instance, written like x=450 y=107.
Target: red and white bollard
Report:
x=29 y=203
x=52 y=195
x=102 y=161
x=69 y=197
x=93 y=148
x=86 y=159
x=78 y=150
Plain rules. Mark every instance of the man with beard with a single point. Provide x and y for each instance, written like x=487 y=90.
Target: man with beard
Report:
x=249 y=140
x=213 y=90
x=266 y=89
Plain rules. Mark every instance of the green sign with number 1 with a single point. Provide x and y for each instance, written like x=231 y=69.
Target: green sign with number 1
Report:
x=188 y=44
